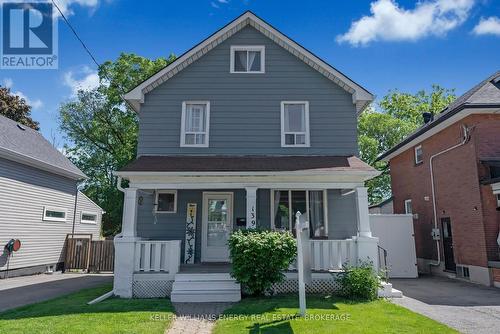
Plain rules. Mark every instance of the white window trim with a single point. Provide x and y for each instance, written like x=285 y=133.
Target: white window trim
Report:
x=406 y=207
x=260 y=48
x=183 y=124
x=158 y=192
x=52 y=208
x=415 y=152
x=84 y=221
x=291 y=219
x=307 y=133
x=498 y=200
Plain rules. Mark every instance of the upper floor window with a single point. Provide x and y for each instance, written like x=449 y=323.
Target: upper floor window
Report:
x=294 y=123
x=418 y=155
x=195 y=123
x=248 y=59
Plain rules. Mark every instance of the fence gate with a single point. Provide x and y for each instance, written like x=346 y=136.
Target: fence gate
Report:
x=83 y=253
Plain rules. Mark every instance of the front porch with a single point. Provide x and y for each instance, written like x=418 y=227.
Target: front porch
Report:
x=175 y=223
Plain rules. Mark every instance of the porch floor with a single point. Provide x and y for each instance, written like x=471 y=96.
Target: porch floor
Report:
x=205 y=268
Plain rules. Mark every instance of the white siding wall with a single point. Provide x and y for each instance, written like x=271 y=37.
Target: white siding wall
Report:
x=84 y=204
x=24 y=191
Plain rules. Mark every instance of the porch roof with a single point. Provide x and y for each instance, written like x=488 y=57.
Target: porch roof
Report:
x=247 y=163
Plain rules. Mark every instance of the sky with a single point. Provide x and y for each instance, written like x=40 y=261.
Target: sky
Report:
x=380 y=44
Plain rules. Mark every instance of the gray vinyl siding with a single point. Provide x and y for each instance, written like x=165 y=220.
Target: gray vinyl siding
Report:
x=171 y=226
x=24 y=191
x=84 y=204
x=342 y=215
x=245 y=108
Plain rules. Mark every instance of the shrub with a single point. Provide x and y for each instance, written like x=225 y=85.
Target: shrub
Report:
x=359 y=282
x=259 y=257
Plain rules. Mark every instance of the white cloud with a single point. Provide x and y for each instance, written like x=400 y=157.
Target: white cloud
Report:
x=35 y=104
x=223 y=1
x=67 y=6
x=7 y=82
x=489 y=26
x=390 y=22
x=213 y=4
x=84 y=79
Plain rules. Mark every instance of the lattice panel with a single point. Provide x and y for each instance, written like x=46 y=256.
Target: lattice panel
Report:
x=317 y=286
x=152 y=288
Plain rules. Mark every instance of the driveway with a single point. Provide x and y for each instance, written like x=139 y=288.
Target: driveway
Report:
x=24 y=290
x=467 y=307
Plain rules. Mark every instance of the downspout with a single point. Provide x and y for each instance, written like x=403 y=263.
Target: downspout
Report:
x=74 y=211
x=466 y=137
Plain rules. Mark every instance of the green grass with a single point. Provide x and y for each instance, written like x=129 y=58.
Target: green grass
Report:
x=71 y=314
x=279 y=315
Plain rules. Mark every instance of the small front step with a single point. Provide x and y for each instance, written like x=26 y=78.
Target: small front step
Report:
x=199 y=288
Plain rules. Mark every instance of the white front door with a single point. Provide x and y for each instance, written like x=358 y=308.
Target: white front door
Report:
x=216 y=226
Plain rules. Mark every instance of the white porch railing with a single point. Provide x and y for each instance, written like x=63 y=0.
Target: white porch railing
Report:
x=157 y=256
x=332 y=254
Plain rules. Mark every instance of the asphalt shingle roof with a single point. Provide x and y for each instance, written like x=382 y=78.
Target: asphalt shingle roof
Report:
x=20 y=140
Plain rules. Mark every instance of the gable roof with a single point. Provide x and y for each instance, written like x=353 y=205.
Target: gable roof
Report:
x=485 y=95
x=27 y=146
x=361 y=97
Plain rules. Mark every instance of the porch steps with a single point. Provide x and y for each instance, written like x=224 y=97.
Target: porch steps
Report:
x=207 y=287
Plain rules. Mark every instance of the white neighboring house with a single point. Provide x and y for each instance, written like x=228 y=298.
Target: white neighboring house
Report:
x=38 y=196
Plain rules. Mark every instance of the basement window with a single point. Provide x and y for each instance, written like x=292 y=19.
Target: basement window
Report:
x=418 y=155
x=54 y=214
x=247 y=59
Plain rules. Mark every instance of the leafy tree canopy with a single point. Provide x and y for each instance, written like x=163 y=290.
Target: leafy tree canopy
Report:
x=398 y=115
x=16 y=108
x=102 y=130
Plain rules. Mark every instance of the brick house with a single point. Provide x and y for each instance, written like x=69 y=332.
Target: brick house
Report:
x=455 y=155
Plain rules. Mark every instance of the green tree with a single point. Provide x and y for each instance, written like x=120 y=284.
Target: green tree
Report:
x=398 y=115
x=16 y=108
x=102 y=130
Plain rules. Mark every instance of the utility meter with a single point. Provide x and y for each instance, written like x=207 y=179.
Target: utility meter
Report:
x=436 y=235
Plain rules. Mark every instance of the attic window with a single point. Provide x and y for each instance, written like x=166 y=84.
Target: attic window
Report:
x=247 y=59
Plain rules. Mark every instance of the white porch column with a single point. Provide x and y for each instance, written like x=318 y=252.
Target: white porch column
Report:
x=125 y=247
x=367 y=245
x=364 y=229
x=251 y=207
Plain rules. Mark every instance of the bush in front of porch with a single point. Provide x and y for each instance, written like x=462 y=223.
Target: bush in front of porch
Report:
x=259 y=258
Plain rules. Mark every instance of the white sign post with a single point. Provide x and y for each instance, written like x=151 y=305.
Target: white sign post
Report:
x=190 y=233
x=303 y=258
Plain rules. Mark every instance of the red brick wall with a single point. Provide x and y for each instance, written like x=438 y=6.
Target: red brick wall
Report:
x=458 y=190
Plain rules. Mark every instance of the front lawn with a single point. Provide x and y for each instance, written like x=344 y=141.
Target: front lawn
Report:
x=71 y=314
x=325 y=315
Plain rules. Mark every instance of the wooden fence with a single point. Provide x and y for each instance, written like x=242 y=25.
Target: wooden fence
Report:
x=83 y=253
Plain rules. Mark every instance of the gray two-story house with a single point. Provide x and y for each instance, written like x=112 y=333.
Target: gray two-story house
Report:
x=242 y=131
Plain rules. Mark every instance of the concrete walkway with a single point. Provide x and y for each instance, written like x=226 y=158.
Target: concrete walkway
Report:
x=467 y=307
x=24 y=290
x=196 y=318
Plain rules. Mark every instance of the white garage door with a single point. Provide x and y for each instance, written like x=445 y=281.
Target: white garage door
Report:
x=395 y=233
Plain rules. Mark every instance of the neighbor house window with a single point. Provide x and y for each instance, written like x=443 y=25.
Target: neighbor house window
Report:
x=498 y=200
x=54 y=214
x=166 y=201
x=418 y=155
x=88 y=218
x=247 y=59
x=195 y=123
x=294 y=123
x=408 y=207
x=286 y=203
